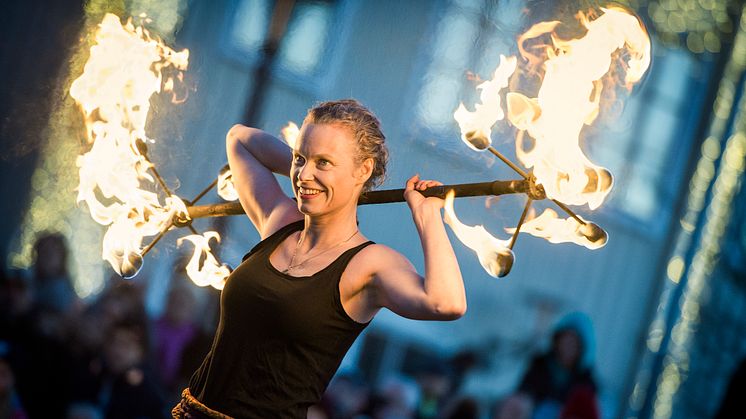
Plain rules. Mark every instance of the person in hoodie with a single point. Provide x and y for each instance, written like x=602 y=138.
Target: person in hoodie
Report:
x=560 y=381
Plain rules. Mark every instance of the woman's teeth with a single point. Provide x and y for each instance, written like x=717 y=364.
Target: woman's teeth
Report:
x=305 y=191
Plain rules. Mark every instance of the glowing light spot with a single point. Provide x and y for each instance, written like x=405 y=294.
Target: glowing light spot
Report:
x=675 y=269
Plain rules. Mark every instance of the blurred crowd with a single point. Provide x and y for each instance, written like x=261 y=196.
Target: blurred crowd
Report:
x=61 y=357
x=557 y=384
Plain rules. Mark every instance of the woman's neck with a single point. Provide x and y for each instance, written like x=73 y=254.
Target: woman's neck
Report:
x=328 y=230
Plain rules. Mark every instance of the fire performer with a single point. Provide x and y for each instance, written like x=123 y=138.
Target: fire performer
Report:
x=303 y=294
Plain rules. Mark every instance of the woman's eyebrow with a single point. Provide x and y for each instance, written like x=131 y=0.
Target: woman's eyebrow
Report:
x=324 y=156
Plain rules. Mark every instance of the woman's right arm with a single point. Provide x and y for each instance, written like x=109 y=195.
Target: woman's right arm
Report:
x=253 y=156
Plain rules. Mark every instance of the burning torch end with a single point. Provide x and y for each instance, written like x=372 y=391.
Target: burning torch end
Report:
x=477 y=139
x=131 y=266
x=504 y=262
x=594 y=233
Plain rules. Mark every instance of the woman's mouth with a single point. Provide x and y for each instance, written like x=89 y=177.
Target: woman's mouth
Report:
x=307 y=193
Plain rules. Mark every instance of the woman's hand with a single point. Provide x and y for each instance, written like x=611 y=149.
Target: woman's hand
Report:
x=440 y=294
x=415 y=199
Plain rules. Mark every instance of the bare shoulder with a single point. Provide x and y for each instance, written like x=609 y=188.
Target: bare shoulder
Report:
x=379 y=257
x=369 y=266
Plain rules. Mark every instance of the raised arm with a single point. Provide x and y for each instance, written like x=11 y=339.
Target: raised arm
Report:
x=253 y=156
x=439 y=295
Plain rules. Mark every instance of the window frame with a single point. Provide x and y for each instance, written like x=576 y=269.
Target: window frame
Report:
x=315 y=83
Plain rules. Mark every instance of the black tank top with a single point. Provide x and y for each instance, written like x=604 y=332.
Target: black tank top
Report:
x=280 y=338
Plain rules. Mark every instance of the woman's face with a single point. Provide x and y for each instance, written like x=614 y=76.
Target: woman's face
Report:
x=326 y=176
x=569 y=348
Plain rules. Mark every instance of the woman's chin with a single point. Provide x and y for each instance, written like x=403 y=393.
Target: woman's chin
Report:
x=308 y=208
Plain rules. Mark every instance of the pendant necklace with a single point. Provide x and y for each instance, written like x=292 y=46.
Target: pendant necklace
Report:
x=297 y=245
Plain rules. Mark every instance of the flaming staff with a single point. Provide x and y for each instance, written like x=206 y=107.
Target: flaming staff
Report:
x=125 y=70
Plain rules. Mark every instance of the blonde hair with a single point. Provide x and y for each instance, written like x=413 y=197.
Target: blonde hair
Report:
x=364 y=126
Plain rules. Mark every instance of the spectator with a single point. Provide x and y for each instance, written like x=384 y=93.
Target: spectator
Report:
x=53 y=287
x=40 y=316
x=560 y=382
x=436 y=387
x=122 y=302
x=16 y=306
x=515 y=406
x=463 y=407
x=121 y=385
x=173 y=332
x=397 y=398
x=10 y=404
x=347 y=397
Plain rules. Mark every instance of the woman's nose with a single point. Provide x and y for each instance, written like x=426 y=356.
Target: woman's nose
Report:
x=305 y=172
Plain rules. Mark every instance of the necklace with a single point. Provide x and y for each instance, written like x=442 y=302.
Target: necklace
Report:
x=297 y=245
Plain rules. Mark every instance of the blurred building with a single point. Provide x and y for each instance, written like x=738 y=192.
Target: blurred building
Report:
x=666 y=294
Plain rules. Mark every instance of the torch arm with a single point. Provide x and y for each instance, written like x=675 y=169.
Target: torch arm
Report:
x=498 y=187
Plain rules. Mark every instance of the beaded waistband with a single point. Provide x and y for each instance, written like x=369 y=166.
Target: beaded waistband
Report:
x=191 y=408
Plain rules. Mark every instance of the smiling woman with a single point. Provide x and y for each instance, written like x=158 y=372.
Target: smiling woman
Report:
x=300 y=298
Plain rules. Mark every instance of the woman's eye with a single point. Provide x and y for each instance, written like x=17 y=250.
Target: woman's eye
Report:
x=299 y=160
x=323 y=162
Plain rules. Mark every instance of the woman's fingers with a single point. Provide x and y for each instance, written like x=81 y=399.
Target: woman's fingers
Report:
x=416 y=200
x=412 y=182
x=415 y=183
x=424 y=184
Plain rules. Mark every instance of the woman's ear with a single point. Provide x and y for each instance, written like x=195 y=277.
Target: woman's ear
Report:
x=365 y=170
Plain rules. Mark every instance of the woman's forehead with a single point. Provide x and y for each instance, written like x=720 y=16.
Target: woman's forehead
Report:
x=325 y=139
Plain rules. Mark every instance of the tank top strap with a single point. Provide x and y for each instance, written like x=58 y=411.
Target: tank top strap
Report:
x=331 y=281
x=340 y=264
x=275 y=238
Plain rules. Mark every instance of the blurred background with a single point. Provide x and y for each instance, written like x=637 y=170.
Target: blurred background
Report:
x=656 y=319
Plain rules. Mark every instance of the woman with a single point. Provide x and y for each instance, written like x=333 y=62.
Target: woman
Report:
x=302 y=295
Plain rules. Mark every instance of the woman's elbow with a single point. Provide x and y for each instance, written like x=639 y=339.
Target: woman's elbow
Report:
x=451 y=311
x=238 y=133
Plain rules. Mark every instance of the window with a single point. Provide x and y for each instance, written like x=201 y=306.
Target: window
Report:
x=305 y=45
x=470 y=35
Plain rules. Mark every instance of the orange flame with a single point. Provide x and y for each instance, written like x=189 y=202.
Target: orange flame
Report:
x=494 y=255
x=569 y=98
x=124 y=70
x=476 y=127
x=557 y=230
x=290 y=133
x=226 y=188
x=209 y=272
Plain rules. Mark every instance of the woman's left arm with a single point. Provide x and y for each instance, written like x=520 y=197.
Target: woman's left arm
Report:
x=439 y=295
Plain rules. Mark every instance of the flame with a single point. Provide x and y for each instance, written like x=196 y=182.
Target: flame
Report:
x=476 y=127
x=290 y=133
x=124 y=71
x=569 y=98
x=226 y=188
x=209 y=272
x=494 y=255
x=557 y=230
x=549 y=125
